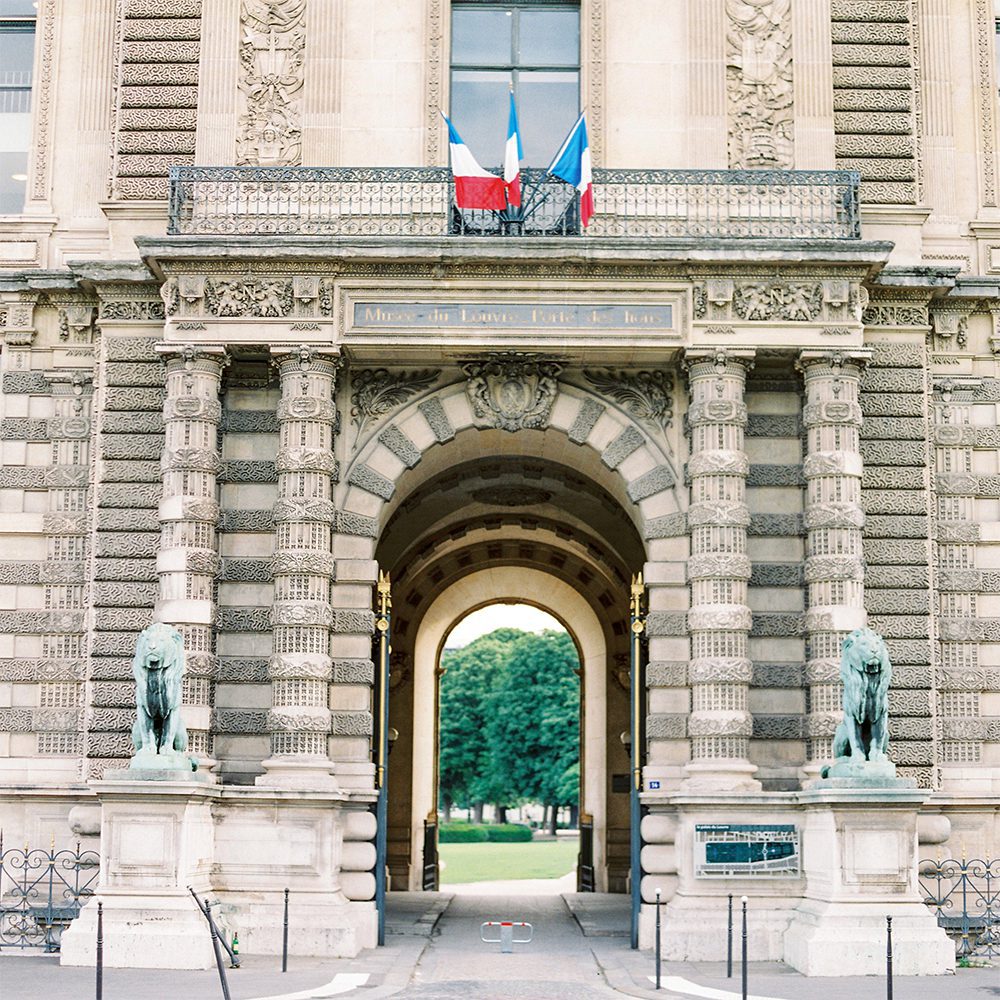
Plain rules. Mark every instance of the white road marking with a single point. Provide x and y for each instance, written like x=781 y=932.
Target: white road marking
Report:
x=679 y=985
x=342 y=982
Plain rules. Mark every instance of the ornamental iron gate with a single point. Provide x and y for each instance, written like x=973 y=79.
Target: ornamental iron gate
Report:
x=965 y=896
x=41 y=892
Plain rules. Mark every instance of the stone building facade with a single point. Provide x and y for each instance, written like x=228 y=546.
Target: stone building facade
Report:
x=231 y=398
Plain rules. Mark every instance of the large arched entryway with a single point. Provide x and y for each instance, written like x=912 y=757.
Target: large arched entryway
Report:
x=551 y=517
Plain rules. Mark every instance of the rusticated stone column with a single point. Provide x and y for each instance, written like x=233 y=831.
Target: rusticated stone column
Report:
x=718 y=569
x=189 y=510
x=959 y=677
x=834 y=519
x=300 y=665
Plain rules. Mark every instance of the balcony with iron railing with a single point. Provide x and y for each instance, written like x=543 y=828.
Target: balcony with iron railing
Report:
x=419 y=201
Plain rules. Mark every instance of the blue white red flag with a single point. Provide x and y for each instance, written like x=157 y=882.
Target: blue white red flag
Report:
x=572 y=165
x=512 y=156
x=474 y=186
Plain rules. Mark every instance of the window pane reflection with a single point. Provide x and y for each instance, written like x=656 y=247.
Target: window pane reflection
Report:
x=548 y=106
x=480 y=37
x=479 y=112
x=549 y=37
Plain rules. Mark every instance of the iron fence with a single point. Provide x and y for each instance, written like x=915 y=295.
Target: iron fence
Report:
x=419 y=201
x=41 y=891
x=965 y=896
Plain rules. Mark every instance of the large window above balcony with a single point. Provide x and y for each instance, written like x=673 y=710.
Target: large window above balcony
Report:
x=533 y=48
x=17 y=54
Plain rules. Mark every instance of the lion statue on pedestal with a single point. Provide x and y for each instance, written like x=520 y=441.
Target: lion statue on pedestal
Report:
x=158 y=668
x=866 y=672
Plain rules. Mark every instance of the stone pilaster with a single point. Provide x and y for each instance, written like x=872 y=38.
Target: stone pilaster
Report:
x=300 y=666
x=719 y=621
x=834 y=518
x=189 y=511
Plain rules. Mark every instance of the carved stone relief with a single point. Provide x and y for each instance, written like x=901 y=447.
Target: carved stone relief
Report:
x=376 y=391
x=272 y=55
x=759 y=83
x=647 y=395
x=512 y=391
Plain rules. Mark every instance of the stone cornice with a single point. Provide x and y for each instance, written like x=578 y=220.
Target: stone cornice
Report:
x=163 y=254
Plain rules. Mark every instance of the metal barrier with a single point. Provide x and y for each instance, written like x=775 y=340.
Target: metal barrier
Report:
x=965 y=896
x=431 y=874
x=419 y=201
x=41 y=892
x=506 y=939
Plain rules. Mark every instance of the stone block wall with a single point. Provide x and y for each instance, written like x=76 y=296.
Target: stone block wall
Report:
x=128 y=444
x=156 y=96
x=874 y=97
x=248 y=485
x=776 y=593
x=897 y=547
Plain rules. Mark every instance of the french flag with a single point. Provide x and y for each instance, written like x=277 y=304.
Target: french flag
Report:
x=512 y=156
x=474 y=186
x=572 y=165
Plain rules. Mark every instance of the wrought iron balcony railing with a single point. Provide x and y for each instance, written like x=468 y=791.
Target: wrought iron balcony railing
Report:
x=419 y=201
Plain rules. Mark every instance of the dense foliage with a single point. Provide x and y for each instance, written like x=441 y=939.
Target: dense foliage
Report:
x=477 y=833
x=510 y=721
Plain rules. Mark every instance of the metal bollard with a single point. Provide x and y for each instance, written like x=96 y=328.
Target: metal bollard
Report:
x=743 y=900
x=729 y=941
x=657 y=938
x=506 y=939
x=100 y=951
x=888 y=958
x=284 y=938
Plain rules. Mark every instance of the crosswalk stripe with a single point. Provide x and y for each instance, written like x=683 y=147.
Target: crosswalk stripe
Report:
x=341 y=983
x=678 y=984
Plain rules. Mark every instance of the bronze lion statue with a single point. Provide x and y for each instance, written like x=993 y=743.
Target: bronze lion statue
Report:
x=866 y=671
x=159 y=668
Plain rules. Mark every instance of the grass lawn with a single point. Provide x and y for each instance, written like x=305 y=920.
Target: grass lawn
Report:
x=491 y=862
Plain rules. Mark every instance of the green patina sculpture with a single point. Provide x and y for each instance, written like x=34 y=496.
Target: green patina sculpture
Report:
x=862 y=738
x=158 y=734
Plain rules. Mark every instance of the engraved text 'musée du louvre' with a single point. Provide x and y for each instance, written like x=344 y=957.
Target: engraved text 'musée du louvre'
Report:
x=513 y=316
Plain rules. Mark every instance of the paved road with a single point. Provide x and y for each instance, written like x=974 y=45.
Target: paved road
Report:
x=558 y=962
x=430 y=956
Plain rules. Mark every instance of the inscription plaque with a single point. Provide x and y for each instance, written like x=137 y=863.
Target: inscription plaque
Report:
x=513 y=316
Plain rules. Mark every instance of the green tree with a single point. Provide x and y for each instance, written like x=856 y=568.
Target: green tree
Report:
x=534 y=723
x=471 y=674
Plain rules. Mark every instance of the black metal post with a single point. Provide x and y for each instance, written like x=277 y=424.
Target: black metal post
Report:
x=657 y=938
x=888 y=958
x=206 y=910
x=636 y=692
x=743 y=900
x=284 y=939
x=100 y=951
x=729 y=941
x=220 y=965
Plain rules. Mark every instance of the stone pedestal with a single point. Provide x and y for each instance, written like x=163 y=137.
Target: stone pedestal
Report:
x=268 y=840
x=695 y=916
x=157 y=838
x=860 y=866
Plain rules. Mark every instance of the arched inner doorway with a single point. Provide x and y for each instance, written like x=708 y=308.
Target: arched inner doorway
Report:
x=490 y=517
x=570 y=608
